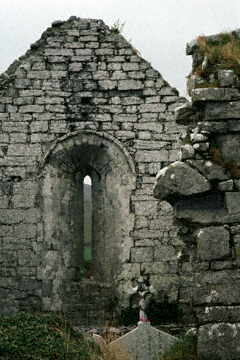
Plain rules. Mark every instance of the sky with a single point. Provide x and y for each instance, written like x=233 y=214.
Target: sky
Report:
x=158 y=29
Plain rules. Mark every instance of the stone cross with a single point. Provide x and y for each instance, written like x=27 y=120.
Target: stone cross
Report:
x=143 y=288
x=144 y=342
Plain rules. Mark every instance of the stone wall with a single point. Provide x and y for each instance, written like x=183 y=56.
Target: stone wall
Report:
x=204 y=190
x=82 y=102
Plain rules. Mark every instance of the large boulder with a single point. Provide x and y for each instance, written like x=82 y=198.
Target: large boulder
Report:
x=178 y=180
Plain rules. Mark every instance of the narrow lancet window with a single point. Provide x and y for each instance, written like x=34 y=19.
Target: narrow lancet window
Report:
x=87 y=190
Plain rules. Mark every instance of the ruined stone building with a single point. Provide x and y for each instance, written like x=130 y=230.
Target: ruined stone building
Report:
x=82 y=102
x=203 y=187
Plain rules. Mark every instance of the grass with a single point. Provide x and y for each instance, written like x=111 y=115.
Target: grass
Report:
x=223 y=53
x=185 y=350
x=50 y=337
x=39 y=336
x=46 y=337
x=117 y=27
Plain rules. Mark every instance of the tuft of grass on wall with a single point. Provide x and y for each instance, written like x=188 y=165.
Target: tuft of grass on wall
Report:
x=223 y=53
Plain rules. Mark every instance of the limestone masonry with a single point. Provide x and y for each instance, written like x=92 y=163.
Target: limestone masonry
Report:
x=82 y=102
x=204 y=189
x=165 y=186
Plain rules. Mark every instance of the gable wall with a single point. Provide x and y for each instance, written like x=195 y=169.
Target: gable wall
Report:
x=80 y=77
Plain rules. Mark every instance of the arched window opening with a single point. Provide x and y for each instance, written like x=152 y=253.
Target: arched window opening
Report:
x=87 y=191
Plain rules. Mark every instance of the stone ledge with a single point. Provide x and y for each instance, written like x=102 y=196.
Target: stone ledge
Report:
x=214 y=94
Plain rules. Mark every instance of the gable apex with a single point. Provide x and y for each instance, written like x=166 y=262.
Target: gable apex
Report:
x=78 y=40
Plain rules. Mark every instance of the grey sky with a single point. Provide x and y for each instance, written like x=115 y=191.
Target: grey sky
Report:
x=158 y=29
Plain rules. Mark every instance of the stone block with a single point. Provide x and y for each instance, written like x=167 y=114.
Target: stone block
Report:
x=151 y=108
x=58 y=52
x=215 y=126
x=130 y=85
x=101 y=75
x=219 y=341
x=237 y=248
x=25 y=231
x=211 y=314
x=226 y=185
x=38 y=126
x=215 y=94
x=130 y=67
x=18 y=138
x=136 y=75
x=151 y=156
x=177 y=180
x=230 y=147
x=186 y=152
x=31 y=109
x=222 y=110
x=213 y=243
x=210 y=170
x=233 y=202
x=165 y=253
x=23 y=83
x=226 y=78
x=28 y=258
x=118 y=75
x=44 y=74
x=108 y=84
x=24 y=150
x=29 y=285
x=217 y=287
x=141 y=254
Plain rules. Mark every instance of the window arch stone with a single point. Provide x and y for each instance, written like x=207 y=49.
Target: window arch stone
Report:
x=61 y=175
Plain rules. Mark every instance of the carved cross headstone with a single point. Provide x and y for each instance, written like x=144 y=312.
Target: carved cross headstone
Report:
x=145 y=342
x=143 y=288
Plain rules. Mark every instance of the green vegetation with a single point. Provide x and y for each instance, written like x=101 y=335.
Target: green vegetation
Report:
x=49 y=336
x=87 y=253
x=184 y=350
x=40 y=336
x=222 y=53
x=117 y=27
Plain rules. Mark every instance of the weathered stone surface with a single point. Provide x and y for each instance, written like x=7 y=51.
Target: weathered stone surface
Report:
x=233 y=202
x=222 y=110
x=210 y=169
x=142 y=254
x=214 y=126
x=215 y=94
x=144 y=341
x=213 y=243
x=203 y=210
x=177 y=180
x=220 y=287
x=186 y=114
x=192 y=46
x=97 y=109
x=210 y=314
x=226 y=78
x=226 y=185
x=219 y=341
x=187 y=152
x=230 y=147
